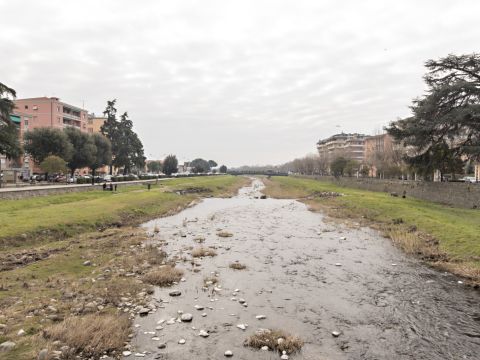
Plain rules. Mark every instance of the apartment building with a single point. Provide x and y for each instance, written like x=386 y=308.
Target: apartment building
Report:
x=349 y=146
x=51 y=112
x=94 y=123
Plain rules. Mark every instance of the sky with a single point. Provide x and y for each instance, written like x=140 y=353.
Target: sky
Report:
x=242 y=82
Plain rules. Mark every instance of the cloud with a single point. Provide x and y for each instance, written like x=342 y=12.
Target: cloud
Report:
x=236 y=81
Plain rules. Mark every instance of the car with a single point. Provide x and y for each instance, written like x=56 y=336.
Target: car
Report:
x=107 y=178
x=469 y=179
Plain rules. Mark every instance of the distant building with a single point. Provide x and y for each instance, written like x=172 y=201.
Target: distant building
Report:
x=94 y=124
x=349 y=146
x=51 y=112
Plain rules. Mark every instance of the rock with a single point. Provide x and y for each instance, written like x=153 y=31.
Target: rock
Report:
x=241 y=301
x=203 y=333
x=43 y=355
x=338 y=264
x=284 y=357
x=242 y=326
x=143 y=311
x=7 y=345
x=162 y=346
x=199 y=307
x=204 y=314
x=175 y=293
x=228 y=353
x=87 y=263
x=261 y=317
x=265 y=348
x=21 y=332
x=126 y=353
x=182 y=341
x=280 y=341
x=186 y=317
x=336 y=333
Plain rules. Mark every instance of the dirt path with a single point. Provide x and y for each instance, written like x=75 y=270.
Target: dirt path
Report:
x=308 y=277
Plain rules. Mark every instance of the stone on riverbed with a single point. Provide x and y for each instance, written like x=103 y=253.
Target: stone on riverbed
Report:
x=175 y=293
x=186 y=317
x=203 y=333
x=228 y=353
x=261 y=317
x=182 y=341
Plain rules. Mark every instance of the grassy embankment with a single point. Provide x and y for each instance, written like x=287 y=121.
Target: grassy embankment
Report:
x=45 y=287
x=447 y=237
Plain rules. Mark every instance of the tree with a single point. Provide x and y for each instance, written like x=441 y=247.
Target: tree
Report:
x=170 y=165
x=53 y=164
x=212 y=163
x=337 y=167
x=102 y=155
x=129 y=147
x=9 y=134
x=154 y=166
x=43 y=142
x=110 y=128
x=223 y=169
x=200 y=166
x=351 y=167
x=444 y=130
x=83 y=149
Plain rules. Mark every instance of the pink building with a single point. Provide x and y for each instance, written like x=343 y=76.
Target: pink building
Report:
x=51 y=112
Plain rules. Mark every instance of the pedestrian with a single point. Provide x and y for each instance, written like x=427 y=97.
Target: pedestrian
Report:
x=104 y=186
x=148 y=186
x=111 y=187
x=115 y=187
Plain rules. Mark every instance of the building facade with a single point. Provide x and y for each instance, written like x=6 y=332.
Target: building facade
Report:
x=349 y=146
x=94 y=124
x=51 y=112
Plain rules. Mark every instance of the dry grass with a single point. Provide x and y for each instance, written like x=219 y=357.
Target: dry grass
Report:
x=92 y=335
x=152 y=255
x=164 y=276
x=203 y=251
x=270 y=338
x=237 y=266
x=224 y=234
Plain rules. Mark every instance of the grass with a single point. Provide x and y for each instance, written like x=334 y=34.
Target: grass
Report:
x=237 y=266
x=203 y=251
x=276 y=340
x=163 y=276
x=74 y=228
x=439 y=233
x=91 y=335
x=31 y=220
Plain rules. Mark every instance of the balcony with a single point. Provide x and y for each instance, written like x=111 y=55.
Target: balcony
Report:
x=68 y=122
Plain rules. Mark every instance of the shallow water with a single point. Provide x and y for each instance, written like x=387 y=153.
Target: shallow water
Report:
x=309 y=277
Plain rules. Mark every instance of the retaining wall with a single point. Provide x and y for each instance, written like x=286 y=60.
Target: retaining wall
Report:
x=466 y=195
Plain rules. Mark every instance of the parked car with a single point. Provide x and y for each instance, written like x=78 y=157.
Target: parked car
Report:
x=470 y=179
x=107 y=178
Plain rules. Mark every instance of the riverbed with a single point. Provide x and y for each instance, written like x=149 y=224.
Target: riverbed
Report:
x=307 y=275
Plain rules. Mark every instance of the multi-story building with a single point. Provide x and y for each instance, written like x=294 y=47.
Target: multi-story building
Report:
x=349 y=146
x=94 y=123
x=51 y=112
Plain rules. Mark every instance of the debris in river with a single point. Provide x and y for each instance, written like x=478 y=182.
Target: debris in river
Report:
x=237 y=266
x=224 y=234
x=269 y=338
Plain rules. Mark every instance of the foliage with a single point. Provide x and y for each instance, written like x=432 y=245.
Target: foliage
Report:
x=127 y=149
x=337 y=167
x=154 y=166
x=53 y=164
x=445 y=127
x=223 y=169
x=351 y=167
x=9 y=139
x=84 y=149
x=170 y=165
x=200 y=165
x=43 y=142
x=212 y=163
x=103 y=152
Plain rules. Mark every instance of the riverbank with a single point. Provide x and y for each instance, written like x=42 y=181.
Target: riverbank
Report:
x=72 y=264
x=445 y=237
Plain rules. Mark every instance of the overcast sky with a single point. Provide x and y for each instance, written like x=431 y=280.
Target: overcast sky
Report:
x=241 y=82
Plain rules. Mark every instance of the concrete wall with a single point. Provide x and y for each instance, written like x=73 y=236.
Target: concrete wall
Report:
x=20 y=193
x=466 y=195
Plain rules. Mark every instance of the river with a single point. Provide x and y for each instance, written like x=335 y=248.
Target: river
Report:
x=309 y=276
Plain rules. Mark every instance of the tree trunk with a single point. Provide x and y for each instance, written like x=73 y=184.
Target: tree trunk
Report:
x=93 y=176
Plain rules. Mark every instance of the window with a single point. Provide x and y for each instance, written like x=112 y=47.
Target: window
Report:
x=35 y=107
x=25 y=122
x=26 y=107
x=58 y=108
